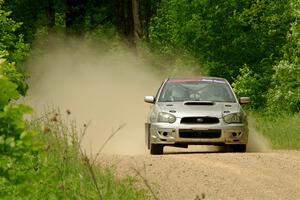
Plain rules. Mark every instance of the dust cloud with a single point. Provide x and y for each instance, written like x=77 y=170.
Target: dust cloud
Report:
x=104 y=88
x=256 y=141
x=97 y=86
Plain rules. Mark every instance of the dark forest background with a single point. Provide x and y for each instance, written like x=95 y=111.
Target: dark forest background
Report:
x=253 y=44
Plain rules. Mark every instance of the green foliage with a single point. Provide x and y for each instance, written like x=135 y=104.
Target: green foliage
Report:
x=46 y=161
x=285 y=95
x=245 y=36
x=18 y=149
x=18 y=146
x=105 y=36
x=285 y=91
x=253 y=34
x=247 y=84
x=65 y=172
x=32 y=14
x=11 y=78
x=10 y=40
x=8 y=91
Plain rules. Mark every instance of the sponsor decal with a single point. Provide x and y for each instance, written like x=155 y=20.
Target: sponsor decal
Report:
x=195 y=80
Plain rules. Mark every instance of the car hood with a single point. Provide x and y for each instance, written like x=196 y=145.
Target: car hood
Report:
x=180 y=109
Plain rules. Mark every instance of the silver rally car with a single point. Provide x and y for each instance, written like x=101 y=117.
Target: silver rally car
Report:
x=196 y=111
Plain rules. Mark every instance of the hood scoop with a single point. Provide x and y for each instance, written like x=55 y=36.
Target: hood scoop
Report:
x=199 y=103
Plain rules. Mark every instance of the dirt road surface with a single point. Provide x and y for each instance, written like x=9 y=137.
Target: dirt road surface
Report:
x=213 y=175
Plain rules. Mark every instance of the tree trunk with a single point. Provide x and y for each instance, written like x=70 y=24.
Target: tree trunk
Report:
x=148 y=9
x=129 y=22
x=147 y=17
x=50 y=12
x=124 y=19
x=136 y=21
x=120 y=19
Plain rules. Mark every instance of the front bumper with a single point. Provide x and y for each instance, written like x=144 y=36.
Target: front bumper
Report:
x=169 y=134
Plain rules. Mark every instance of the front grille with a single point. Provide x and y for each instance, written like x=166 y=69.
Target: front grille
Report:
x=199 y=120
x=188 y=133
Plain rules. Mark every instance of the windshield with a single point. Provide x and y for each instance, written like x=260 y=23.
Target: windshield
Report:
x=196 y=90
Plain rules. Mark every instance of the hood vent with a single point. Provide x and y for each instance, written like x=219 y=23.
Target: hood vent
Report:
x=199 y=103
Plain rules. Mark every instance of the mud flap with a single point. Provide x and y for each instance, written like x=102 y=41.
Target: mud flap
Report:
x=147 y=135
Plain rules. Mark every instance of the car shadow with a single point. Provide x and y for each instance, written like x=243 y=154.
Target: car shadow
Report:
x=210 y=150
x=193 y=152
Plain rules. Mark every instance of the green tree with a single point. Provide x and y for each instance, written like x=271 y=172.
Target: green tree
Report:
x=226 y=35
x=10 y=40
x=18 y=149
x=285 y=91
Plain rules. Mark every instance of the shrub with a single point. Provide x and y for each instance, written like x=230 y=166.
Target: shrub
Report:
x=247 y=84
x=18 y=145
x=65 y=171
x=285 y=93
x=10 y=40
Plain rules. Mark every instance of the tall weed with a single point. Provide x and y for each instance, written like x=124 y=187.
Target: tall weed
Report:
x=281 y=129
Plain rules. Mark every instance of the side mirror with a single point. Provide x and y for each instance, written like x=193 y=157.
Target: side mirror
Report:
x=149 y=99
x=245 y=100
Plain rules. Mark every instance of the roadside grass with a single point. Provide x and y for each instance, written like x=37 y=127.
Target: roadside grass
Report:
x=283 y=130
x=66 y=172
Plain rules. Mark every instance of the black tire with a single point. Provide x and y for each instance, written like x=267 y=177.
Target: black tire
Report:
x=147 y=135
x=239 y=148
x=156 y=149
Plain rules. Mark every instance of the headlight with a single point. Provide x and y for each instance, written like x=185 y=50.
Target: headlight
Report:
x=233 y=118
x=166 y=117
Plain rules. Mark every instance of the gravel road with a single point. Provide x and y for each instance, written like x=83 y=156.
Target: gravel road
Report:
x=214 y=175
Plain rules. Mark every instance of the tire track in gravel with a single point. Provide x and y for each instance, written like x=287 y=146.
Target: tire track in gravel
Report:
x=210 y=175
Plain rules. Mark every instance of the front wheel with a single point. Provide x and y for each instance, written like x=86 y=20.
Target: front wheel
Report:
x=156 y=149
x=239 y=148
